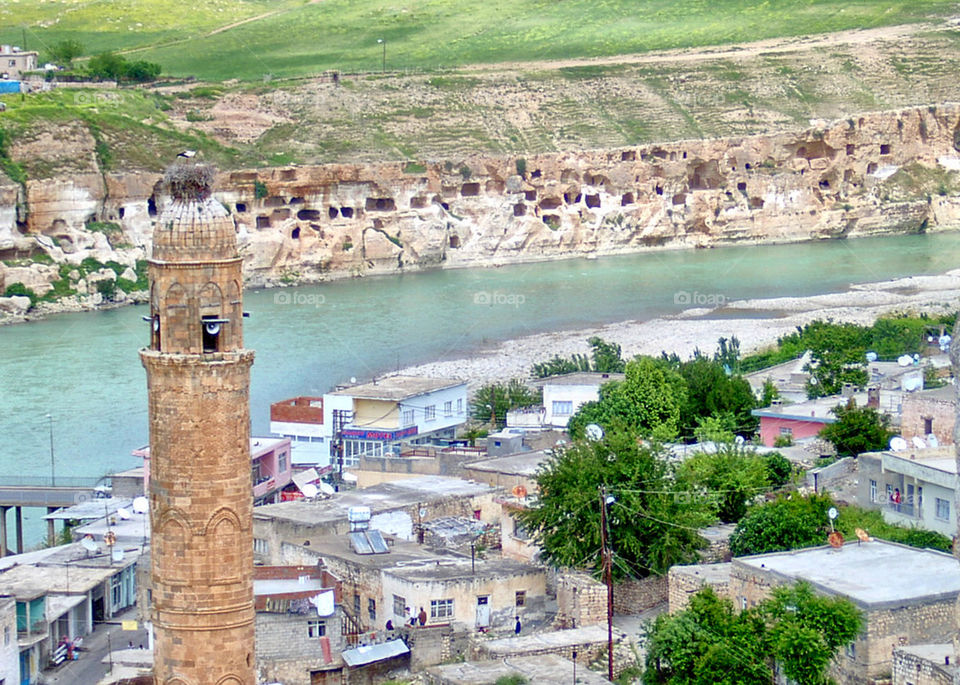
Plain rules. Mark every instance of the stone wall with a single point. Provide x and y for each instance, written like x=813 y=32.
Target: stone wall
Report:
x=581 y=600
x=686 y=581
x=285 y=653
x=313 y=223
x=918 y=409
x=913 y=668
x=633 y=596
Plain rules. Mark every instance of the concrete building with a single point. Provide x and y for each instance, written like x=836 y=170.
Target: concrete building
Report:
x=198 y=381
x=907 y=596
x=397 y=508
x=801 y=420
x=413 y=461
x=564 y=395
x=301 y=420
x=9 y=647
x=377 y=417
x=926 y=480
x=930 y=412
x=14 y=61
x=299 y=631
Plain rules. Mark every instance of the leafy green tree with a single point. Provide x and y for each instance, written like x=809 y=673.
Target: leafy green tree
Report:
x=728 y=354
x=604 y=357
x=779 y=469
x=789 y=522
x=769 y=394
x=858 y=429
x=141 y=71
x=838 y=356
x=107 y=65
x=712 y=392
x=730 y=477
x=491 y=402
x=558 y=365
x=64 y=52
x=711 y=643
x=805 y=631
x=649 y=401
x=707 y=643
x=652 y=525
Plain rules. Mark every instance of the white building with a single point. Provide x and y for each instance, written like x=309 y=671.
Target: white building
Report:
x=564 y=395
x=301 y=420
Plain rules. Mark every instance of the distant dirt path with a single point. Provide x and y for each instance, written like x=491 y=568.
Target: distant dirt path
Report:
x=235 y=24
x=760 y=47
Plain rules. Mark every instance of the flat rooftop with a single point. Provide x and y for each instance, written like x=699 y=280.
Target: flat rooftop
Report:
x=397 y=388
x=939 y=458
x=520 y=464
x=451 y=568
x=258 y=446
x=872 y=574
x=947 y=393
x=398 y=494
x=708 y=573
x=590 y=378
x=819 y=410
x=543 y=669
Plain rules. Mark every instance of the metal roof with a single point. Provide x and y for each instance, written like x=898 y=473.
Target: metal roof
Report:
x=360 y=656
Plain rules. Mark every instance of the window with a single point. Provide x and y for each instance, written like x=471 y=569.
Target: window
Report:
x=873 y=491
x=116 y=600
x=562 y=408
x=943 y=509
x=282 y=462
x=372 y=609
x=927 y=426
x=743 y=603
x=430 y=413
x=459 y=405
x=521 y=597
x=786 y=431
x=448 y=408
x=356 y=604
x=399 y=604
x=354 y=449
x=441 y=608
x=261 y=546
x=316 y=628
x=851 y=650
x=408 y=417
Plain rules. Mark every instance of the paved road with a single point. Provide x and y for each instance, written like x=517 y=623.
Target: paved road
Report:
x=89 y=669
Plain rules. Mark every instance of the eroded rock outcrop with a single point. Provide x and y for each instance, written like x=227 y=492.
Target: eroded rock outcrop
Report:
x=888 y=172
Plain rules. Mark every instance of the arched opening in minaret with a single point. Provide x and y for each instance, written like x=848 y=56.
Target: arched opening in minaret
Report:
x=211 y=334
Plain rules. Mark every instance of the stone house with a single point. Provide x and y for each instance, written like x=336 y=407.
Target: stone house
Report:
x=686 y=581
x=930 y=412
x=299 y=635
x=907 y=596
x=14 y=61
x=924 y=665
x=926 y=480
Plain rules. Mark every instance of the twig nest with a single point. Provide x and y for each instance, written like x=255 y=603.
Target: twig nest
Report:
x=189 y=181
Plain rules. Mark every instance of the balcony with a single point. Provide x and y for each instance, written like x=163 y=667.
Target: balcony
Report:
x=904 y=509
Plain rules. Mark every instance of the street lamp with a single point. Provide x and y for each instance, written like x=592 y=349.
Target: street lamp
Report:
x=53 y=477
x=383 y=63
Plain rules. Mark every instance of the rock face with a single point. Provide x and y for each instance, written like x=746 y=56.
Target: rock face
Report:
x=888 y=172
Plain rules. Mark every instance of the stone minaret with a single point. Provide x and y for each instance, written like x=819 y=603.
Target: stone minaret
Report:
x=201 y=496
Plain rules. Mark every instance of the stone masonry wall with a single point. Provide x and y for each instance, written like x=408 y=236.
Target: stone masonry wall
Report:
x=285 y=653
x=636 y=596
x=910 y=669
x=581 y=600
x=684 y=582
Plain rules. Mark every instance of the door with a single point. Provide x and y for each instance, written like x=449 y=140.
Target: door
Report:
x=483 y=612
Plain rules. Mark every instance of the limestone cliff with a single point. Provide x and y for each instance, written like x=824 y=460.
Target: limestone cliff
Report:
x=888 y=172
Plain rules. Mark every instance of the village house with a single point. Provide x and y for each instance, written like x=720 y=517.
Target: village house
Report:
x=413 y=461
x=563 y=395
x=14 y=61
x=907 y=596
x=801 y=420
x=930 y=664
x=270 y=464
x=299 y=631
x=923 y=480
x=9 y=644
x=300 y=419
x=930 y=413
x=398 y=508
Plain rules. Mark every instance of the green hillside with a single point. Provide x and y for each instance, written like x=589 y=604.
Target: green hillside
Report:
x=295 y=38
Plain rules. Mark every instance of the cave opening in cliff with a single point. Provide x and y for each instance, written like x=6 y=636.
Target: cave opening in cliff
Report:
x=308 y=215
x=470 y=189
x=627 y=199
x=263 y=221
x=121 y=212
x=593 y=201
x=295 y=233
x=380 y=204
x=628 y=156
x=884 y=149
x=454 y=241
x=519 y=209
x=346 y=212
x=333 y=212
x=530 y=195
x=151 y=206
x=418 y=202
x=240 y=207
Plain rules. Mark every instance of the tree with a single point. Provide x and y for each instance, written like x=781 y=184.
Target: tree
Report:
x=648 y=401
x=607 y=357
x=712 y=392
x=652 y=525
x=837 y=356
x=731 y=478
x=107 y=65
x=710 y=643
x=141 y=71
x=604 y=357
x=789 y=522
x=65 y=51
x=858 y=429
x=491 y=402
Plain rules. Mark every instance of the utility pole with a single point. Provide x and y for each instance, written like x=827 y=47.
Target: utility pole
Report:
x=607 y=578
x=53 y=475
x=493 y=406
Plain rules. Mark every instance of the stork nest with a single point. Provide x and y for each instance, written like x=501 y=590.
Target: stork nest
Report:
x=189 y=181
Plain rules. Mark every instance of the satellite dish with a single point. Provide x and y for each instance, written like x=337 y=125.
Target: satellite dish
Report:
x=898 y=444
x=309 y=490
x=326 y=488
x=871 y=356
x=89 y=544
x=422 y=512
x=911 y=384
x=835 y=539
x=905 y=360
x=124 y=514
x=813 y=380
x=933 y=441
x=919 y=443
x=212 y=328
x=353 y=379
x=141 y=505
x=594 y=432
x=519 y=491
x=832 y=513
x=862 y=535
x=739 y=440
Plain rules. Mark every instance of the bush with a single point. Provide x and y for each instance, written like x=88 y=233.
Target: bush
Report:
x=522 y=167
x=107 y=288
x=22 y=290
x=787 y=523
x=260 y=190
x=779 y=469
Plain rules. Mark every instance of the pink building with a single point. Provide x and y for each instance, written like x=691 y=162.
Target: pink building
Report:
x=271 y=468
x=800 y=420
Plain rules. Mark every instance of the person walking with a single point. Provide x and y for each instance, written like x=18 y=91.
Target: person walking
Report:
x=516 y=628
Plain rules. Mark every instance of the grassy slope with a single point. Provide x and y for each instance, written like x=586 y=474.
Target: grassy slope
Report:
x=300 y=38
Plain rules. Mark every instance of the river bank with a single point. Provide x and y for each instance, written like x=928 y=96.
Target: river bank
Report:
x=757 y=323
